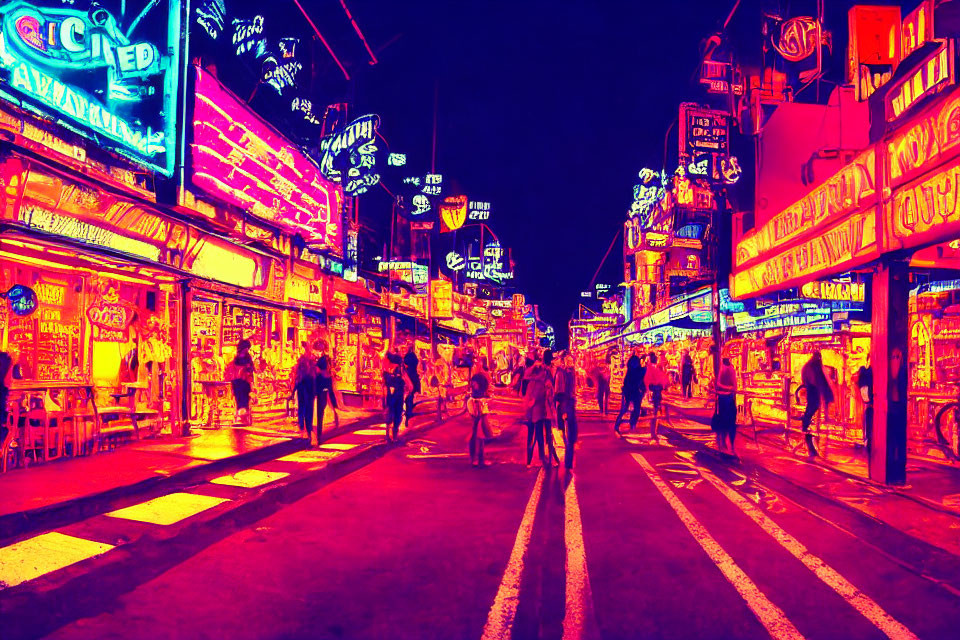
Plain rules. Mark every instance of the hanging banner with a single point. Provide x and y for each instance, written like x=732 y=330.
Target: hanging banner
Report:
x=441 y=298
x=108 y=68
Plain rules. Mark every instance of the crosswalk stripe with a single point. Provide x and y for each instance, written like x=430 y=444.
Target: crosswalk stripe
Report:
x=770 y=615
x=338 y=446
x=168 y=509
x=29 y=559
x=250 y=478
x=578 y=621
x=854 y=597
x=504 y=610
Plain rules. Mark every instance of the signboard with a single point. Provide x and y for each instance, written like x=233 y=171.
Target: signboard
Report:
x=834 y=290
x=240 y=159
x=916 y=28
x=932 y=75
x=109 y=68
x=453 y=213
x=873 y=49
x=407 y=271
x=703 y=132
x=478 y=211
x=715 y=77
x=348 y=157
x=441 y=298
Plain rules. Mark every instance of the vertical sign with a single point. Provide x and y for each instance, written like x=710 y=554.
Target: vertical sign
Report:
x=704 y=137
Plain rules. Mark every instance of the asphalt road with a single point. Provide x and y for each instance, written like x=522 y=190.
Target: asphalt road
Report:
x=641 y=541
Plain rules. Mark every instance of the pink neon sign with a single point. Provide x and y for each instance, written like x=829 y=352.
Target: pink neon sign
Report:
x=240 y=159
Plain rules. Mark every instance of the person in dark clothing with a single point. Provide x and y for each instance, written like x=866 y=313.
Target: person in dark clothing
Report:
x=687 y=375
x=241 y=381
x=630 y=393
x=565 y=395
x=814 y=380
x=411 y=363
x=603 y=387
x=865 y=384
x=642 y=376
x=527 y=364
x=324 y=385
x=478 y=409
x=304 y=384
x=394 y=377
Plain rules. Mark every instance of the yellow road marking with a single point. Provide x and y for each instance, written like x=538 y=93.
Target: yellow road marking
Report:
x=337 y=446
x=28 y=559
x=370 y=432
x=168 y=509
x=249 y=478
x=309 y=456
x=770 y=615
x=500 y=619
x=854 y=597
x=578 y=611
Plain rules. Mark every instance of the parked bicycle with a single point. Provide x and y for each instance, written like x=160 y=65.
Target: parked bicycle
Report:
x=947 y=426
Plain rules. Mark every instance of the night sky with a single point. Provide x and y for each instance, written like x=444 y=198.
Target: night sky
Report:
x=546 y=109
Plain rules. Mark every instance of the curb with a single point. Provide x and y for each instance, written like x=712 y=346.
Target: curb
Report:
x=90 y=587
x=14 y=525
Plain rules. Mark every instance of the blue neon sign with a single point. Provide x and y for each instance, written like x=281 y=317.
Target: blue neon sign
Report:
x=111 y=67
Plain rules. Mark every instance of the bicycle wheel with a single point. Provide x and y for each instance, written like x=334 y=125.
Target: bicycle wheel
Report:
x=947 y=424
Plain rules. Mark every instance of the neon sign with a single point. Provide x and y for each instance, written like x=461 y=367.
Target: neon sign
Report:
x=453 y=213
x=646 y=195
x=850 y=189
x=240 y=159
x=397 y=159
x=23 y=300
x=932 y=75
x=352 y=260
x=800 y=37
x=212 y=16
x=433 y=184
x=704 y=130
x=349 y=157
x=248 y=36
x=923 y=209
x=455 y=261
x=478 y=211
x=56 y=58
x=917 y=28
x=834 y=290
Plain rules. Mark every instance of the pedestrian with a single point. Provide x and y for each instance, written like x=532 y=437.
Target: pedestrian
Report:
x=478 y=408
x=324 y=385
x=304 y=386
x=603 y=386
x=240 y=374
x=412 y=365
x=687 y=375
x=630 y=394
x=642 y=377
x=865 y=385
x=656 y=380
x=397 y=385
x=551 y=368
x=565 y=394
x=535 y=406
x=527 y=365
x=726 y=406
x=814 y=380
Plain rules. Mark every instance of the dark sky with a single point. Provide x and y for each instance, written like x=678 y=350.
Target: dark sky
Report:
x=546 y=109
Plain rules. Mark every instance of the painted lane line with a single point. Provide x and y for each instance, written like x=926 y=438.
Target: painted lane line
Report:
x=500 y=619
x=168 y=509
x=29 y=559
x=829 y=576
x=578 y=620
x=773 y=619
x=370 y=432
x=250 y=478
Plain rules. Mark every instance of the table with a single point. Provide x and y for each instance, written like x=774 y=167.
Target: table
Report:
x=26 y=389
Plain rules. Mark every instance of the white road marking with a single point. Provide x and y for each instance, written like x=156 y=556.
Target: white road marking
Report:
x=250 y=478
x=854 y=597
x=168 y=509
x=29 y=559
x=578 y=620
x=422 y=456
x=500 y=619
x=770 y=615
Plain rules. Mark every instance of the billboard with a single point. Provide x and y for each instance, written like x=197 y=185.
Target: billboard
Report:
x=109 y=69
x=241 y=160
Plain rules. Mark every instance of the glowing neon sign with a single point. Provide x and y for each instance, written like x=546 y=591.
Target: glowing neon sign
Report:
x=56 y=58
x=455 y=261
x=396 y=159
x=433 y=184
x=834 y=290
x=240 y=159
x=211 y=15
x=349 y=156
x=478 y=211
x=932 y=75
x=453 y=213
x=248 y=36
x=800 y=37
x=646 y=195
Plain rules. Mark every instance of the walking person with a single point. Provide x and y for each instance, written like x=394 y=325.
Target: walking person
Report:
x=551 y=368
x=656 y=380
x=478 y=408
x=687 y=375
x=324 y=385
x=412 y=365
x=814 y=380
x=397 y=385
x=603 y=386
x=304 y=386
x=535 y=404
x=565 y=394
x=630 y=394
x=865 y=385
x=240 y=374
x=726 y=406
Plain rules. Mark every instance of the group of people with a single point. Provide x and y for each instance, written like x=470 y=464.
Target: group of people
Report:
x=644 y=373
x=549 y=393
x=401 y=380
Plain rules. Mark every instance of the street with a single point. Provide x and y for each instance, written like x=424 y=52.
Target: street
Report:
x=642 y=540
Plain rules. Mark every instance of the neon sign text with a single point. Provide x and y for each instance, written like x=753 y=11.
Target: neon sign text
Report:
x=348 y=157
x=478 y=211
x=397 y=159
x=834 y=290
x=933 y=75
x=921 y=210
x=433 y=184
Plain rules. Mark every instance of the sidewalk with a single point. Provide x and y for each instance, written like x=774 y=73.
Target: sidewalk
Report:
x=47 y=494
